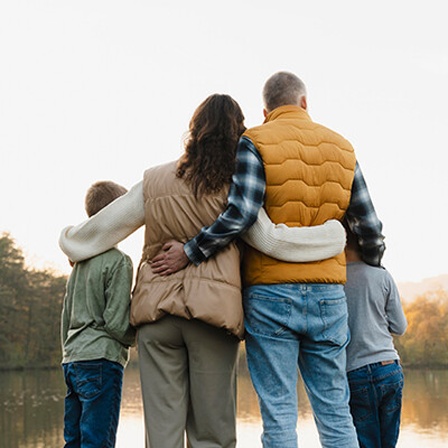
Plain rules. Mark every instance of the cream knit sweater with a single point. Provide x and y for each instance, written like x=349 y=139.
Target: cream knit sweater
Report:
x=126 y=214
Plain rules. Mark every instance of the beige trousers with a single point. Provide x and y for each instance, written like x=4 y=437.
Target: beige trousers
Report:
x=188 y=378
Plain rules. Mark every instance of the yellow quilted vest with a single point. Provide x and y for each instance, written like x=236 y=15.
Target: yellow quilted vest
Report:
x=309 y=173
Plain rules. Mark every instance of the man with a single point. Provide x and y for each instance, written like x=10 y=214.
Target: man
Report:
x=295 y=313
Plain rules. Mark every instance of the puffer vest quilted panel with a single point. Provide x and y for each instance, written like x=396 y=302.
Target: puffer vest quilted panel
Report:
x=309 y=173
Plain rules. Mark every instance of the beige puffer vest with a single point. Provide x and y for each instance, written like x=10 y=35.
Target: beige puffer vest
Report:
x=210 y=292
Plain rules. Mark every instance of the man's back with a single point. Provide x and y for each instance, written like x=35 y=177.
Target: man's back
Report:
x=309 y=172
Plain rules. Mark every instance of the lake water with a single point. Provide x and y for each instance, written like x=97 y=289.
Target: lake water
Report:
x=32 y=403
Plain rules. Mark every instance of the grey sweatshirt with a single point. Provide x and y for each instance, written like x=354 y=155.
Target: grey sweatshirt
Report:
x=375 y=313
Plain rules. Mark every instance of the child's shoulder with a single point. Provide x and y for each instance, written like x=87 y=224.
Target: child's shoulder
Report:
x=359 y=268
x=114 y=255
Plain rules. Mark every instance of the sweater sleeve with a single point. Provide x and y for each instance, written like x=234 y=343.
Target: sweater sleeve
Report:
x=107 y=228
x=296 y=244
x=394 y=310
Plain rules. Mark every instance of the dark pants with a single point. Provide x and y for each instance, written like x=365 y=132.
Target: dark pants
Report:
x=376 y=394
x=92 y=404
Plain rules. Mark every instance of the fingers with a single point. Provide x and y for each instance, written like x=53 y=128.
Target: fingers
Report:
x=159 y=265
x=171 y=259
x=162 y=256
x=161 y=270
x=158 y=259
x=162 y=265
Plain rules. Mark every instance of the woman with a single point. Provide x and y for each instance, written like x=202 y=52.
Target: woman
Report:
x=190 y=327
x=189 y=323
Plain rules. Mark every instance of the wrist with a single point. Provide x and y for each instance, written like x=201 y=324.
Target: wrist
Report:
x=193 y=253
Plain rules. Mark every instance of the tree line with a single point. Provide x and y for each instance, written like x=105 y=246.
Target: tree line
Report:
x=425 y=343
x=30 y=309
x=31 y=304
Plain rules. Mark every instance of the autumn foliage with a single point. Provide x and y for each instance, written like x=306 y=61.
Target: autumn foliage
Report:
x=425 y=343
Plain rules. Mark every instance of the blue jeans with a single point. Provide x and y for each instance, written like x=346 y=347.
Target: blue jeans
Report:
x=92 y=403
x=299 y=326
x=376 y=395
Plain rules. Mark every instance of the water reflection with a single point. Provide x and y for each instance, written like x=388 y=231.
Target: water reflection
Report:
x=31 y=409
x=32 y=402
x=425 y=403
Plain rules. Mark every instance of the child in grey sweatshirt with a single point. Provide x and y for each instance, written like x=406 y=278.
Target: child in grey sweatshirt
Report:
x=374 y=371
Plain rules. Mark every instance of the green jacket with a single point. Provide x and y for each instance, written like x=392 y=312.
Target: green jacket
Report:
x=95 y=315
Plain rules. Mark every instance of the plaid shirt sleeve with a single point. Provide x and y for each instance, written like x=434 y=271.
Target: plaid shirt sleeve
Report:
x=246 y=196
x=363 y=221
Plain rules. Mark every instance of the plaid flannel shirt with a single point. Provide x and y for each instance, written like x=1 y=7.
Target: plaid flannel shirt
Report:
x=246 y=196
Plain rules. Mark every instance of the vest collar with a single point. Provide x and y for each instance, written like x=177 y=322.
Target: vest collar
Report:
x=288 y=111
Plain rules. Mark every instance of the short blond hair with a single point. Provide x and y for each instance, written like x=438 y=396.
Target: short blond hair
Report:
x=281 y=89
x=100 y=194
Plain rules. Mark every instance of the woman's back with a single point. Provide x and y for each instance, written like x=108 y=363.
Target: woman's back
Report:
x=210 y=292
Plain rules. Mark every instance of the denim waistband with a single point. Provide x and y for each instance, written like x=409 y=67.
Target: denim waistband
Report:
x=376 y=364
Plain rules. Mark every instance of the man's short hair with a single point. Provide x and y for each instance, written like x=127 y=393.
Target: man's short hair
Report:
x=100 y=194
x=281 y=89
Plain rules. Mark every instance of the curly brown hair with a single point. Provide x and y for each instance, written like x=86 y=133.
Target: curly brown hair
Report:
x=209 y=159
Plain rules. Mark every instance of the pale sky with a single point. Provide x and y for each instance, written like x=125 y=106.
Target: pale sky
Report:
x=94 y=90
